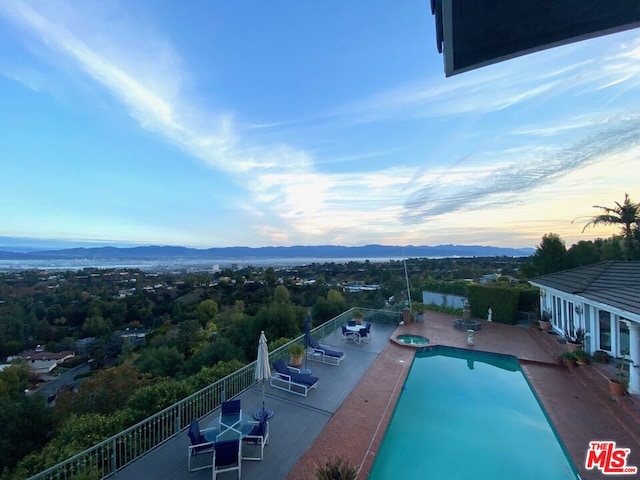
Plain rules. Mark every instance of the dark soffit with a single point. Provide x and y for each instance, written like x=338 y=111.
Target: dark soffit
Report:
x=475 y=33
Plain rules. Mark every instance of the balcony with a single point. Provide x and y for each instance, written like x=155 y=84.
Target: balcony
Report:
x=157 y=446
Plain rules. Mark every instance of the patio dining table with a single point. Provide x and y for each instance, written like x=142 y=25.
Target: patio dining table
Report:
x=215 y=430
x=356 y=330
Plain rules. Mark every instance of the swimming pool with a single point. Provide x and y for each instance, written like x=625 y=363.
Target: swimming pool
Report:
x=468 y=415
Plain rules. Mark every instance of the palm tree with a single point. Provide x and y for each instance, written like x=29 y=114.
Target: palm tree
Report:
x=626 y=214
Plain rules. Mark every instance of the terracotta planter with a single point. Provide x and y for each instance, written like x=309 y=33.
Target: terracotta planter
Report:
x=572 y=347
x=296 y=360
x=618 y=389
x=545 y=326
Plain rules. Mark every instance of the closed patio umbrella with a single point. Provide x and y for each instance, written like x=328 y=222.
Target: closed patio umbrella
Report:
x=263 y=372
x=307 y=340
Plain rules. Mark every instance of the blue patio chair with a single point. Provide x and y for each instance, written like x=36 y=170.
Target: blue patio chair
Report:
x=347 y=334
x=351 y=323
x=363 y=334
x=285 y=379
x=227 y=457
x=230 y=415
x=256 y=433
x=321 y=353
x=199 y=444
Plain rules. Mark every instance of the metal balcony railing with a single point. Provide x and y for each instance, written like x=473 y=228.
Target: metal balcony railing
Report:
x=108 y=457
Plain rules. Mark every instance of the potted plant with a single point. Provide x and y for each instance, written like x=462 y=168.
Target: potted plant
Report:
x=358 y=316
x=568 y=358
x=545 y=320
x=296 y=354
x=618 y=384
x=582 y=357
x=419 y=309
x=574 y=338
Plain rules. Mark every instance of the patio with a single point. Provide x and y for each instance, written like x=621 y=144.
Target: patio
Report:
x=348 y=412
x=296 y=423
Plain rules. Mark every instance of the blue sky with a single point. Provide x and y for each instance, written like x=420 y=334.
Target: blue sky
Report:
x=301 y=123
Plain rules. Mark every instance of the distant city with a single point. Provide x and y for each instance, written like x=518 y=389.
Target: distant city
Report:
x=15 y=255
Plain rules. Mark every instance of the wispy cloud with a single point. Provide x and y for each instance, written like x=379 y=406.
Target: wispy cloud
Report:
x=282 y=179
x=504 y=85
x=164 y=108
x=504 y=184
x=296 y=193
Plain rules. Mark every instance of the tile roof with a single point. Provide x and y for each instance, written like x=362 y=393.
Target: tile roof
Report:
x=613 y=283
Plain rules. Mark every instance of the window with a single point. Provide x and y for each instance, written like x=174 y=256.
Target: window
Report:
x=604 y=323
x=624 y=338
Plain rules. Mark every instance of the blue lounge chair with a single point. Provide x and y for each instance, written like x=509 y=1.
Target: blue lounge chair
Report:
x=256 y=433
x=230 y=415
x=320 y=353
x=290 y=381
x=227 y=457
x=199 y=444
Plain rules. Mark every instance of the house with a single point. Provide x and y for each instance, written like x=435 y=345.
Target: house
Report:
x=135 y=335
x=39 y=361
x=604 y=299
x=489 y=277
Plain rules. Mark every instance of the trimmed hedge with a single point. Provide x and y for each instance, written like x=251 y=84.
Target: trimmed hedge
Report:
x=502 y=300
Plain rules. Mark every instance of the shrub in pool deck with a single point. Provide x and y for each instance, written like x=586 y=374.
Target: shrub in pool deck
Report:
x=336 y=469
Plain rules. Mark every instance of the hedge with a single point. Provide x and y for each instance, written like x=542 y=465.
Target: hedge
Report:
x=502 y=300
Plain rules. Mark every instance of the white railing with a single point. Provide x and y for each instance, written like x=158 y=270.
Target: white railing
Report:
x=107 y=457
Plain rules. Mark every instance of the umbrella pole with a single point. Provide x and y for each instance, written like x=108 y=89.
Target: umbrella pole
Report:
x=258 y=414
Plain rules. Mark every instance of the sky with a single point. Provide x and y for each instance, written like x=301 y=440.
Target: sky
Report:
x=255 y=123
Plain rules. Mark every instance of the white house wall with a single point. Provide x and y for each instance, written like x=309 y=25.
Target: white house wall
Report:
x=563 y=307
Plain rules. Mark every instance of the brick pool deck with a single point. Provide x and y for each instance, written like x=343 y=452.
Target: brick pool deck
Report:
x=577 y=400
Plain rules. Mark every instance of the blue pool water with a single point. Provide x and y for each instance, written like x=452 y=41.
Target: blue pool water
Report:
x=412 y=339
x=469 y=415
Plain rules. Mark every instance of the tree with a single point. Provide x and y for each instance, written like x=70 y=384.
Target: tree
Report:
x=161 y=362
x=583 y=253
x=625 y=214
x=270 y=276
x=25 y=427
x=13 y=381
x=96 y=326
x=281 y=294
x=104 y=393
x=207 y=311
x=550 y=256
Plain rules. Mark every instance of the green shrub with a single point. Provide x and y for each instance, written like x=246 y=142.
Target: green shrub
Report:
x=296 y=349
x=502 y=300
x=336 y=469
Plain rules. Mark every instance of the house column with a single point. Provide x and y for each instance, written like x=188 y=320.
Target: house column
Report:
x=634 y=354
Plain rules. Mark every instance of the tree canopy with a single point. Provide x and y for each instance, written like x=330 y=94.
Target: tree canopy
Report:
x=626 y=215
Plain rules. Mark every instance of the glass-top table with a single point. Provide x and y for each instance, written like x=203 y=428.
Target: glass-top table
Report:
x=215 y=430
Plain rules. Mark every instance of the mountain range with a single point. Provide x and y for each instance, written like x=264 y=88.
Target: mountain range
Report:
x=319 y=252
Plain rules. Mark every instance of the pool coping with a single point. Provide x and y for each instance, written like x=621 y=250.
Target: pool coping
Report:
x=356 y=429
x=457 y=352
